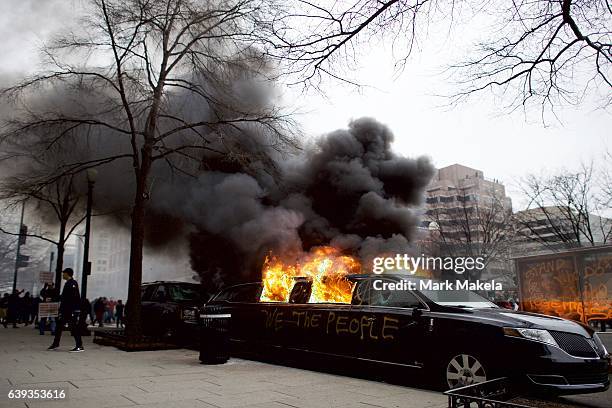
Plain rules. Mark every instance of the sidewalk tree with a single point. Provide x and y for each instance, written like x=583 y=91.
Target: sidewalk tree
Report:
x=158 y=80
x=59 y=199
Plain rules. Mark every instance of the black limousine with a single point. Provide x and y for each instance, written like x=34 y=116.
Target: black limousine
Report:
x=455 y=336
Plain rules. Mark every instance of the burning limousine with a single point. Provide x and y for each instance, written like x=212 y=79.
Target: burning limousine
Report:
x=456 y=337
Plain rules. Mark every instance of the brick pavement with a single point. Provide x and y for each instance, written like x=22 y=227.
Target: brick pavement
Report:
x=106 y=377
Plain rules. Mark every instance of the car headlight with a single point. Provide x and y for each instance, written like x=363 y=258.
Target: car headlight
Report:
x=189 y=314
x=599 y=344
x=542 y=336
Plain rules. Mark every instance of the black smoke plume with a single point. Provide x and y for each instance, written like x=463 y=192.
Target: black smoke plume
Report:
x=348 y=190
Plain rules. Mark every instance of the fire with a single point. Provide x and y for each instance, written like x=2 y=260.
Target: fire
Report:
x=325 y=266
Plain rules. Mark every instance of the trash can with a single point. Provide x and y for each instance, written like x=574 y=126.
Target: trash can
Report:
x=214 y=335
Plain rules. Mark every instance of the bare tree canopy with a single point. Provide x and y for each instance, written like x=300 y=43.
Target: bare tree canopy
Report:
x=566 y=209
x=551 y=52
x=146 y=82
x=545 y=52
x=34 y=174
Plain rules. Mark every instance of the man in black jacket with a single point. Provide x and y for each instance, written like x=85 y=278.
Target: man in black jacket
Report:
x=70 y=307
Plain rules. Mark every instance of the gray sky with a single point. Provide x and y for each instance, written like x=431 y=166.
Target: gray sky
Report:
x=478 y=133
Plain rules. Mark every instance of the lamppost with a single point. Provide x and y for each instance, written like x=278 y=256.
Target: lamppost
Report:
x=20 y=260
x=86 y=269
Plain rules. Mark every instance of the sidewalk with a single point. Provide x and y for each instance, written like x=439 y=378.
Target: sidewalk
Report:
x=106 y=377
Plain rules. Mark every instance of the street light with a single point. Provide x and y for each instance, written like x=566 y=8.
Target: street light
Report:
x=86 y=269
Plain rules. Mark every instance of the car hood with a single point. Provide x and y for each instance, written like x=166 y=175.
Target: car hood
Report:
x=511 y=318
x=190 y=303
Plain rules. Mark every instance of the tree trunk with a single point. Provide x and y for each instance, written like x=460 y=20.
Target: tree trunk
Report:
x=59 y=263
x=133 y=328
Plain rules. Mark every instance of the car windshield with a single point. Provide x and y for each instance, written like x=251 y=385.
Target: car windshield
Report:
x=185 y=292
x=459 y=298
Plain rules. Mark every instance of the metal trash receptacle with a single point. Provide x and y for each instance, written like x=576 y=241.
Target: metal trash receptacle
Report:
x=214 y=335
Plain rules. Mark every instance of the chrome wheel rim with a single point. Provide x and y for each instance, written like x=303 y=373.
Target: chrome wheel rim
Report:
x=464 y=369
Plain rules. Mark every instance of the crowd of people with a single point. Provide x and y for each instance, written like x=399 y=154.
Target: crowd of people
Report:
x=19 y=308
x=104 y=310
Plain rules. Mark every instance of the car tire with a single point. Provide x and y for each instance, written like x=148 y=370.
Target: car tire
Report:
x=169 y=333
x=464 y=368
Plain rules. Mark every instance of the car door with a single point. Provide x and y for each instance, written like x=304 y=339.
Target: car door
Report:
x=395 y=328
x=317 y=327
x=246 y=318
x=163 y=310
x=148 y=321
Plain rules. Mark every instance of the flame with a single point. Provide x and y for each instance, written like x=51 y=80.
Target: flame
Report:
x=325 y=265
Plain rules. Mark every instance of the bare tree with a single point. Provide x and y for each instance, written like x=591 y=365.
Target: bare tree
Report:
x=545 y=51
x=550 y=52
x=320 y=39
x=59 y=199
x=471 y=225
x=8 y=247
x=606 y=181
x=565 y=210
x=157 y=78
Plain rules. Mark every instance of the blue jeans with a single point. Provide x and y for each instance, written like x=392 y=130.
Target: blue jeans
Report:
x=43 y=323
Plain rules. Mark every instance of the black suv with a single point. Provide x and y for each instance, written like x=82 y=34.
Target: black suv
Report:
x=169 y=309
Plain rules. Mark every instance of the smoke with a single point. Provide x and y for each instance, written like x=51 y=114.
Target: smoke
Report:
x=348 y=189
x=243 y=197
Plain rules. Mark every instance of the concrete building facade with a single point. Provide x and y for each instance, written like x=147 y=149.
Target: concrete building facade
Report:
x=468 y=215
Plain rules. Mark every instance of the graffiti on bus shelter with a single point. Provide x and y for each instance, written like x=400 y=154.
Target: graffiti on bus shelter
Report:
x=552 y=285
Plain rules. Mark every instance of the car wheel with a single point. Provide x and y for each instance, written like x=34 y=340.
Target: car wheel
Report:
x=169 y=333
x=465 y=369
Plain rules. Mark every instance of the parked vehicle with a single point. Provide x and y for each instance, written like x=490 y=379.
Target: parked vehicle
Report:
x=169 y=309
x=455 y=336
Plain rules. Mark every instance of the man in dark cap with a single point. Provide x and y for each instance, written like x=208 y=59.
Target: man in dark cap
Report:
x=70 y=307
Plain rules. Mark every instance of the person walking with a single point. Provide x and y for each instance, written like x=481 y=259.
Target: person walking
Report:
x=45 y=297
x=69 y=311
x=25 y=308
x=4 y=310
x=99 y=309
x=34 y=310
x=107 y=311
x=111 y=307
x=119 y=307
x=13 y=308
x=86 y=311
x=53 y=296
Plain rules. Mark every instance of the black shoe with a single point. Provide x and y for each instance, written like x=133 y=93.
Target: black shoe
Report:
x=77 y=350
x=52 y=347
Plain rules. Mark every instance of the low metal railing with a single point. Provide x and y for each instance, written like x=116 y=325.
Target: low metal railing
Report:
x=489 y=394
